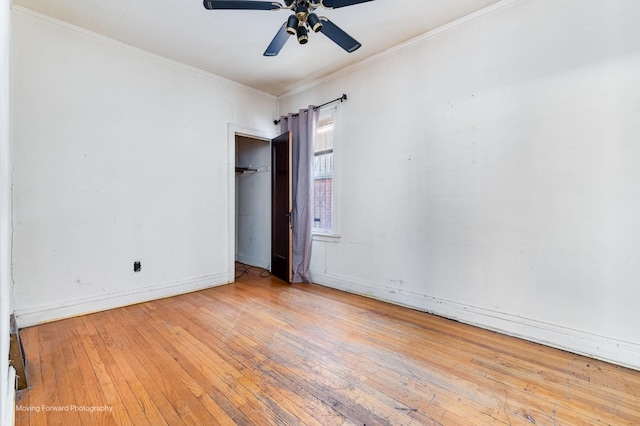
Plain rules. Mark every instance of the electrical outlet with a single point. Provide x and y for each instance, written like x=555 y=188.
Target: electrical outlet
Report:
x=137 y=266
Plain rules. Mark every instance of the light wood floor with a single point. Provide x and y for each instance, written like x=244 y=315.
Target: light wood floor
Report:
x=263 y=352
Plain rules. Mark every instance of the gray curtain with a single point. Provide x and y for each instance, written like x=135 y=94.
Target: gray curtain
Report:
x=303 y=128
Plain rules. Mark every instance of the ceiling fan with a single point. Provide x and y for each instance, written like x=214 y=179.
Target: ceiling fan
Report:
x=303 y=17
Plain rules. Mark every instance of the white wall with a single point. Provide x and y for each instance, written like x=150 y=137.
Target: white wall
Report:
x=119 y=156
x=6 y=384
x=253 y=225
x=490 y=172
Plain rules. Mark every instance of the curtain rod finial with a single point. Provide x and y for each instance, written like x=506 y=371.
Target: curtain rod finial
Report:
x=343 y=98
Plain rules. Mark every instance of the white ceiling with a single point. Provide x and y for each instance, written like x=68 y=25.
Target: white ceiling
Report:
x=230 y=43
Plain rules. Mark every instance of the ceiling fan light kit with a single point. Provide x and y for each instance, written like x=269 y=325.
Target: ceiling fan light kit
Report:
x=303 y=17
x=292 y=24
x=303 y=36
x=314 y=22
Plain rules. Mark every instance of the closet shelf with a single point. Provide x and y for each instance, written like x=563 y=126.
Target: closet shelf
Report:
x=245 y=170
x=251 y=170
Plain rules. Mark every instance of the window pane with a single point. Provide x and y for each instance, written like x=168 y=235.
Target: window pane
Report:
x=323 y=167
x=324 y=135
x=322 y=203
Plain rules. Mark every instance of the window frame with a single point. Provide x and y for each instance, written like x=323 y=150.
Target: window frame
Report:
x=322 y=234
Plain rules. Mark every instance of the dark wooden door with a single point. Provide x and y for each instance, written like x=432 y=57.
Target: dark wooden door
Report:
x=281 y=205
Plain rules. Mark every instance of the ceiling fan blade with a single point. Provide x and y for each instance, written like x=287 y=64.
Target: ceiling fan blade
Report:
x=278 y=41
x=241 y=4
x=334 y=4
x=338 y=36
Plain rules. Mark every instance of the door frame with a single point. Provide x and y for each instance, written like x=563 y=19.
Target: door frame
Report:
x=234 y=130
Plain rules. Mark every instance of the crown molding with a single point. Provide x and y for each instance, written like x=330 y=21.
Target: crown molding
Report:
x=429 y=35
x=137 y=50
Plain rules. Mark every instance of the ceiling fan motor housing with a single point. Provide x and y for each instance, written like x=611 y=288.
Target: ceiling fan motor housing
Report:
x=301 y=11
x=304 y=13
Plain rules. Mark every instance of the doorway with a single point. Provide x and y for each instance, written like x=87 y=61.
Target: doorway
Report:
x=253 y=201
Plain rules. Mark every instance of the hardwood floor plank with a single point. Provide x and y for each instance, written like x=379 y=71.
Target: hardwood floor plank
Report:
x=133 y=372
x=262 y=352
x=168 y=374
x=283 y=352
x=254 y=383
x=126 y=406
x=342 y=350
x=505 y=382
x=198 y=391
x=90 y=383
x=302 y=337
x=236 y=361
x=74 y=387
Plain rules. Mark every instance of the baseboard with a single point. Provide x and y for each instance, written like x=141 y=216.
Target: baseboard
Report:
x=41 y=314
x=626 y=354
x=8 y=417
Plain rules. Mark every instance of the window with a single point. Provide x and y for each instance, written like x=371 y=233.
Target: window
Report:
x=324 y=218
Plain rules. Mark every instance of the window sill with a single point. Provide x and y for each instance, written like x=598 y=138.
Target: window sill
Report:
x=327 y=238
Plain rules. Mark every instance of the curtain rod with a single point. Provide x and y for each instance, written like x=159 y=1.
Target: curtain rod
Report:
x=341 y=99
